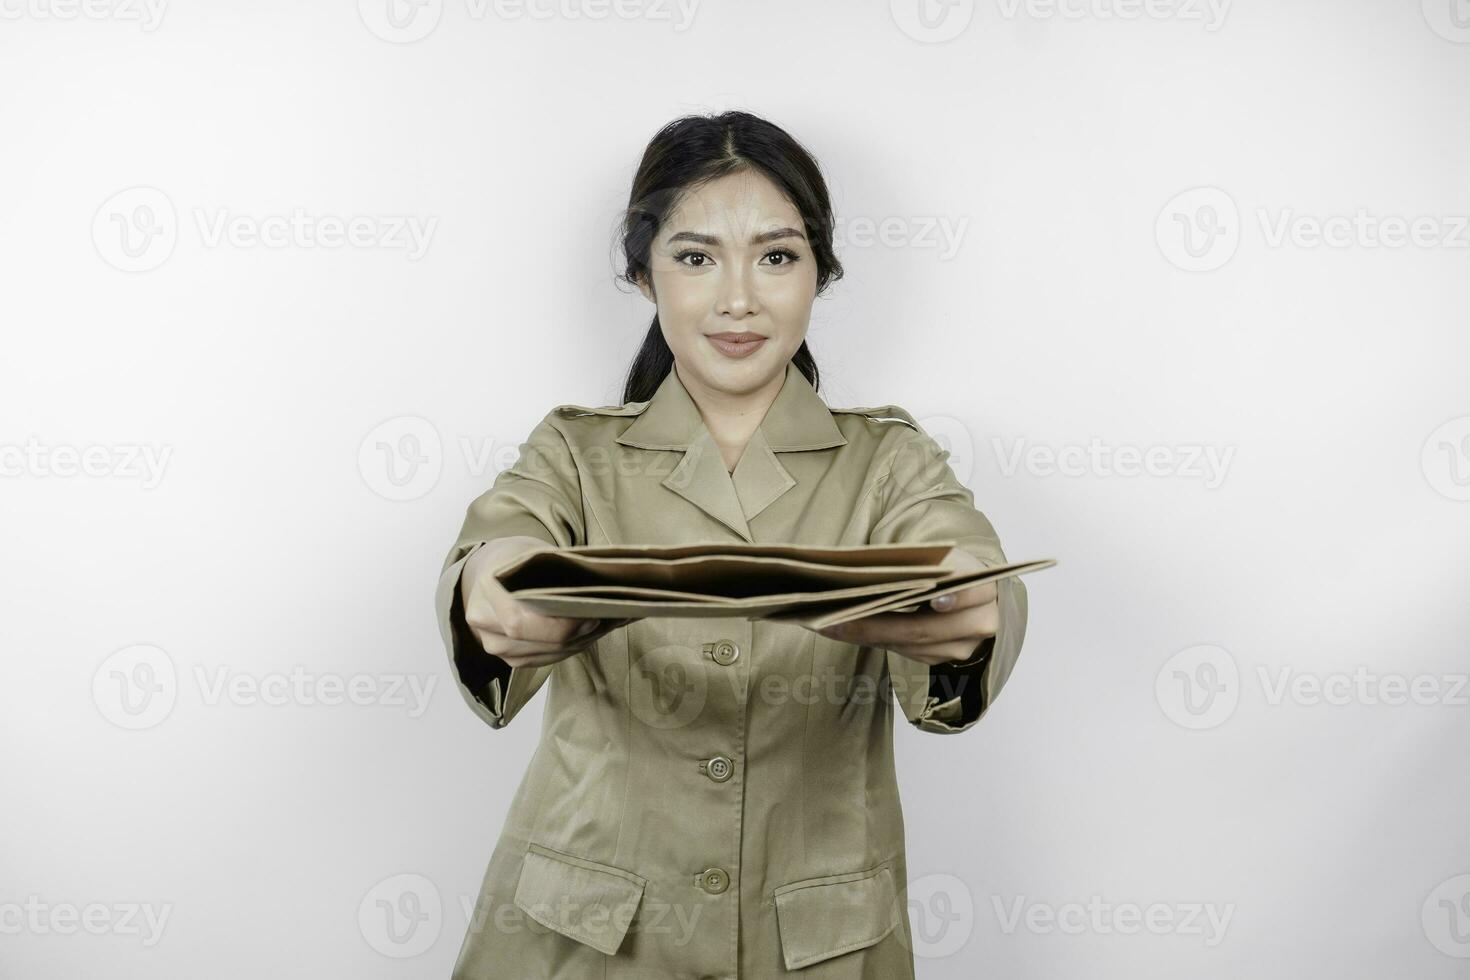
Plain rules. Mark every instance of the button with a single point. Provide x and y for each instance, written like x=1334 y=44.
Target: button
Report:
x=713 y=880
x=725 y=652
x=720 y=768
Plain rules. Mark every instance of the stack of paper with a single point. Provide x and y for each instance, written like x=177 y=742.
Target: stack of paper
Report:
x=813 y=586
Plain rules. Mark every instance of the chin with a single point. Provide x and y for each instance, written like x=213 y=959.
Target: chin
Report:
x=739 y=376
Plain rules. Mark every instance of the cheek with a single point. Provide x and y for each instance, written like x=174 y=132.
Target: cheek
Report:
x=790 y=298
x=676 y=309
x=683 y=300
x=683 y=308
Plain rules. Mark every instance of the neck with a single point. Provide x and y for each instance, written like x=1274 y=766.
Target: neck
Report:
x=732 y=418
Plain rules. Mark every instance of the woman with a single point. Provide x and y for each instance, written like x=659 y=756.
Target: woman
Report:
x=717 y=797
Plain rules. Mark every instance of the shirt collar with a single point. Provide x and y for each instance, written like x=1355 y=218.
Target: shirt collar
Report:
x=797 y=420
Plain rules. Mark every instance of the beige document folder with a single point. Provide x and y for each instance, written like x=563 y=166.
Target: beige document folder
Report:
x=813 y=586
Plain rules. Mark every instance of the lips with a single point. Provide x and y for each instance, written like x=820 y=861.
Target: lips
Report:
x=733 y=344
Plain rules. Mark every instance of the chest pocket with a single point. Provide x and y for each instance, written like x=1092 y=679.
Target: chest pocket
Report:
x=820 y=918
x=583 y=900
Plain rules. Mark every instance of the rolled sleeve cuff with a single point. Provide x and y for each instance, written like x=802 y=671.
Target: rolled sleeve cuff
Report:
x=949 y=698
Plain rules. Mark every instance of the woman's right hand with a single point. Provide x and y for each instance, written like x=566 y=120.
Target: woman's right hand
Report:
x=506 y=627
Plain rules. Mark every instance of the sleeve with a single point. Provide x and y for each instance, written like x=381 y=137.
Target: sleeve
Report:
x=922 y=500
x=539 y=496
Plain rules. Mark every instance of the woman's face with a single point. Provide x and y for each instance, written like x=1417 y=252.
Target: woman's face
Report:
x=734 y=279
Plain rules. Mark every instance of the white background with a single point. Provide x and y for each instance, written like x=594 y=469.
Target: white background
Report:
x=1144 y=752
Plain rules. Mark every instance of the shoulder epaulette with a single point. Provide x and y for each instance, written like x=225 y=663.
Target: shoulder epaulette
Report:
x=883 y=413
x=572 y=411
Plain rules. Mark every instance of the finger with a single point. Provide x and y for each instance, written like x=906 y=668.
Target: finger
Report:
x=552 y=632
x=917 y=628
x=975 y=595
x=596 y=629
x=938 y=654
x=538 y=659
x=514 y=649
x=509 y=648
x=520 y=622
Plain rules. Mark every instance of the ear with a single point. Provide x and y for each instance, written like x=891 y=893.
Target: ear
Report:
x=646 y=288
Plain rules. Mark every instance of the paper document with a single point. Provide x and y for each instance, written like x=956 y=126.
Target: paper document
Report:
x=812 y=586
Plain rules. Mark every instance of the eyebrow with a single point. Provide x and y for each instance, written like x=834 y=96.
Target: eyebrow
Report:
x=761 y=239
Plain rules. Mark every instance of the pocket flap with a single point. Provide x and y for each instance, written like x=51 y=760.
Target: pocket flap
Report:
x=823 y=917
x=583 y=900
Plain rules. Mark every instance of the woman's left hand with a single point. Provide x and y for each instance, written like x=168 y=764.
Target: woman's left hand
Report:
x=946 y=630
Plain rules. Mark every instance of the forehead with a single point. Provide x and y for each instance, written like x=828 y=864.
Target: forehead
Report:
x=738 y=202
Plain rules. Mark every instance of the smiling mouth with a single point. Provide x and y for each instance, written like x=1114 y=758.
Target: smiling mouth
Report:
x=736 y=344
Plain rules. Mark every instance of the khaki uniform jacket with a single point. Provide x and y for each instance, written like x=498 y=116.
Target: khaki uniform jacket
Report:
x=715 y=797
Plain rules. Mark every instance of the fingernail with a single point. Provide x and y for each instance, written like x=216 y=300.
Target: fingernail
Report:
x=943 y=602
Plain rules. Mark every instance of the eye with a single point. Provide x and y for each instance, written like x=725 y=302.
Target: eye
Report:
x=691 y=254
x=783 y=256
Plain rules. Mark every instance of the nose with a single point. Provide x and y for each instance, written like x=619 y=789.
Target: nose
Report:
x=737 y=298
